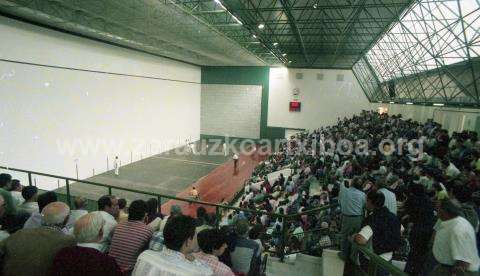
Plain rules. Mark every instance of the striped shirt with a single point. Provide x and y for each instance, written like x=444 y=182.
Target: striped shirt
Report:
x=129 y=240
x=219 y=268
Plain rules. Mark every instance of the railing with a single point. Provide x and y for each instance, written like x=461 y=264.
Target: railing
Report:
x=218 y=207
x=375 y=262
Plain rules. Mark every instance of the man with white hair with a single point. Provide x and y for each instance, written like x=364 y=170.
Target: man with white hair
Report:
x=86 y=257
x=31 y=251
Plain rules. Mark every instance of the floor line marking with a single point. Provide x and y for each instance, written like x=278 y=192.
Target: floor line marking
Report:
x=189 y=161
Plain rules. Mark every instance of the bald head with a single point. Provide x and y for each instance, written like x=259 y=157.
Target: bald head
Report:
x=89 y=227
x=55 y=214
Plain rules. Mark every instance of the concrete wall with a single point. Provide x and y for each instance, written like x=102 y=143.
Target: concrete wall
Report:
x=452 y=119
x=67 y=101
x=322 y=101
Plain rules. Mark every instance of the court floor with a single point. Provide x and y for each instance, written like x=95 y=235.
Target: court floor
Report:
x=173 y=173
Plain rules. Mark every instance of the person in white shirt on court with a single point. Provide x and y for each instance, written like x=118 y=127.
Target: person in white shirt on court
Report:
x=116 y=165
x=225 y=151
x=454 y=245
x=235 y=162
x=176 y=257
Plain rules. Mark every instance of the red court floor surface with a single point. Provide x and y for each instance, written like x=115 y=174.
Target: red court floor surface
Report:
x=219 y=185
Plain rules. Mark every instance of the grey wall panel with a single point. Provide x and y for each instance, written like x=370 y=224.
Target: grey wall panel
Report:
x=231 y=110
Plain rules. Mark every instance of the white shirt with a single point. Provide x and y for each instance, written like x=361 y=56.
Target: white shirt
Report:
x=29 y=207
x=110 y=224
x=94 y=245
x=3 y=235
x=367 y=234
x=455 y=241
x=74 y=216
x=169 y=263
x=390 y=200
x=235 y=157
x=452 y=170
x=17 y=197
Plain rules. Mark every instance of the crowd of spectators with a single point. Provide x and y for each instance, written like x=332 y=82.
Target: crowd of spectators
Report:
x=402 y=188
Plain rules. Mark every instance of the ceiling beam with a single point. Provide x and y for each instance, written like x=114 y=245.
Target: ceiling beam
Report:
x=293 y=25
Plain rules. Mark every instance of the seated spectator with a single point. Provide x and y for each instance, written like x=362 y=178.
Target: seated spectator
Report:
x=3 y=234
x=175 y=210
x=175 y=259
x=154 y=217
x=80 y=204
x=5 y=180
x=382 y=228
x=454 y=246
x=131 y=238
x=85 y=258
x=122 y=210
x=108 y=207
x=31 y=251
x=30 y=205
x=35 y=220
x=213 y=243
x=16 y=191
x=245 y=256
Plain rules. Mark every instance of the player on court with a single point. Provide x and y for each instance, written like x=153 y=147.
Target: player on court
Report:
x=116 y=166
x=235 y=162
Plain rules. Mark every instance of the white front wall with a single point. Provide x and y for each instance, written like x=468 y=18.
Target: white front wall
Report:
x=322 y=101
x=43 y=109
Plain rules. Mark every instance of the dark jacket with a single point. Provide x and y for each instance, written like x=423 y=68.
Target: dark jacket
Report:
x=386 y=231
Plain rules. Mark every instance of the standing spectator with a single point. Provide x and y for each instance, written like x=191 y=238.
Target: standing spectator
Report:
x=213 y=243
x=131 y=238
x=352 y=204
x=245 y=255
x=419 y=212
x=30 y=204
x=85 y=258
x=122 y=210
x=454 y=246
x=463 y=194
x=16 y=191
x=108 y=207
x=390 y=198
x=382 y=228
x=80 y=204
x=35 y=220
x=175 y=258
x=31 y=251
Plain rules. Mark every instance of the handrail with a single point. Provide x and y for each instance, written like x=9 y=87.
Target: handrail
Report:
x=69 y=179
x=317 y=209
x=376 y=261
x=217 y=206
